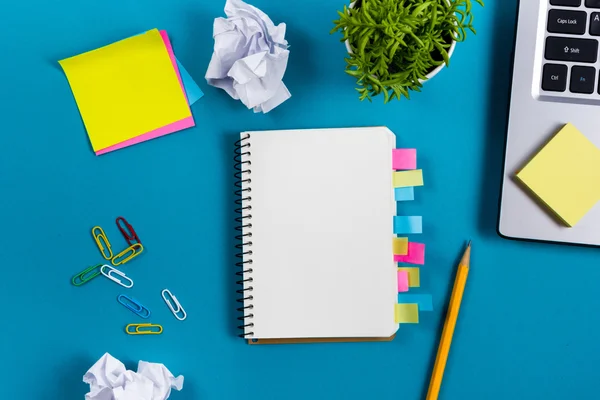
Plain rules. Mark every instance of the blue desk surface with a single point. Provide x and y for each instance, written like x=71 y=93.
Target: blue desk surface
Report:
x=529 y=322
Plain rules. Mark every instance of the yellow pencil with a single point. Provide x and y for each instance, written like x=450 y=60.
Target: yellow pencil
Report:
x=449 y=325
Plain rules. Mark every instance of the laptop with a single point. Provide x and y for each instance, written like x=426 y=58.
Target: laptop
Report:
x=555 y=81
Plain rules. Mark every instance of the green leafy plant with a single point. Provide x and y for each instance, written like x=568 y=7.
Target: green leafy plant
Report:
x=396 y=43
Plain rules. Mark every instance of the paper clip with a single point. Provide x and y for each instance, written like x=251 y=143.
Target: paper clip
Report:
x=144 y=329
x=99 y=238
x=123 y=256
x=115 y=279
x=86 y=275
x=127 y=231
x=134 y=306
x=170 y=305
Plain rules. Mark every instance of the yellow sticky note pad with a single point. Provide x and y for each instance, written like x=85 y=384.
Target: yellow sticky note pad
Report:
x=400 y=246
x=565 y=175
x=126 y=89
x=408 y=178
x=407 y=313
x=414 y=277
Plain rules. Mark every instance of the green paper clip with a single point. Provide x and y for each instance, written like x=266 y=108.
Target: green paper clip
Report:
x=86 y=275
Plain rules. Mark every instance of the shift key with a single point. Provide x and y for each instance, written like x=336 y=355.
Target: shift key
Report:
x=571 y=49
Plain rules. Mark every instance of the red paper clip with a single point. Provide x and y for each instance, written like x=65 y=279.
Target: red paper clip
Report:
x=128 y=232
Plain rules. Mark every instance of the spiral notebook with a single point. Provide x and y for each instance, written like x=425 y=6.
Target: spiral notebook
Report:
x=316 y=226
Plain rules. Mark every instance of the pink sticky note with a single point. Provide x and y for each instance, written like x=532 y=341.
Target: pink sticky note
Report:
x=165 y=130
x=404 y=159
x=416 y=254
x=402 y=281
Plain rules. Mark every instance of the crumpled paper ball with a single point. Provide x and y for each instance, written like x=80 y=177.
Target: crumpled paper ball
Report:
x=250 y=57
x=110 y=380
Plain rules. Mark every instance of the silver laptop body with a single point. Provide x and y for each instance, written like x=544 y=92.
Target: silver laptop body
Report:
x=555 y=81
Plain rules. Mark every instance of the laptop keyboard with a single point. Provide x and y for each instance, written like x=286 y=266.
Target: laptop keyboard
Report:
x=571 y=48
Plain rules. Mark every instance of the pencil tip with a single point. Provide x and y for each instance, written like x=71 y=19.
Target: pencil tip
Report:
x=469 y=244
x=466 y=258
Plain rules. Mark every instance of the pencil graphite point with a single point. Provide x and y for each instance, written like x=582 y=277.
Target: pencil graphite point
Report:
x=466 y=258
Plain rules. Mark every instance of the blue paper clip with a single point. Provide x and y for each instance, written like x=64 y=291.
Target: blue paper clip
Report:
x=134 y=306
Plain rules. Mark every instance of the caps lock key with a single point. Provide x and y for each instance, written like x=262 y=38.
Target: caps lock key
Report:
x=567 y=21
x=571 y=49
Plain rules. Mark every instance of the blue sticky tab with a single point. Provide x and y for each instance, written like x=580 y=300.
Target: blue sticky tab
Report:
x=192 y=90
x=405 y=193
x=405 y=225
x=424 y=301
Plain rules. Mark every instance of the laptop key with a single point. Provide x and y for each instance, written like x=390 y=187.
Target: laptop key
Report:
x=554 y=78
x=571 y=49
x=567 y=21
x=595 y=24
x=582 y=80
x=592 y=3
x=568 y=3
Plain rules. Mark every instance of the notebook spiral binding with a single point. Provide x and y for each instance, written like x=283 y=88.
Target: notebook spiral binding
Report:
x=243 y=201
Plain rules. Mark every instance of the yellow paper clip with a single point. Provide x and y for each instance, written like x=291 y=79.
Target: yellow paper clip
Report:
x=144 y=329
x=99 y=237
x=124 y=256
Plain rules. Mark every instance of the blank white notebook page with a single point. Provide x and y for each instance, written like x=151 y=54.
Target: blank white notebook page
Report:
x=322 y=211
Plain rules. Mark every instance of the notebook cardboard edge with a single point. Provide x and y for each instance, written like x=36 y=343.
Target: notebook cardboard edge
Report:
x=321 y=340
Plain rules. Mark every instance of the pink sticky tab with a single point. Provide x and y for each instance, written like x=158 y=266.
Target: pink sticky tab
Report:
x=404 y=159
x=416 y=254
x=402 y=281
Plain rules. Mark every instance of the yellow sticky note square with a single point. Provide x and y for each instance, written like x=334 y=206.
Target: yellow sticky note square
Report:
x=408 y=178
x=565 y=175
x=126 y=89
x=400 y=245
x=414 y=277
x=407 y=313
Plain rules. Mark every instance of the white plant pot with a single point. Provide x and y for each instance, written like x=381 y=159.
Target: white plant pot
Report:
x=429 y=75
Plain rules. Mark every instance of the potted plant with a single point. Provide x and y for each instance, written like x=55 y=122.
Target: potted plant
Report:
x=396 y=45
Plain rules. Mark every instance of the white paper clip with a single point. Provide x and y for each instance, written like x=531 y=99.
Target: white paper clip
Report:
x=170 y=305
x=114 y=278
